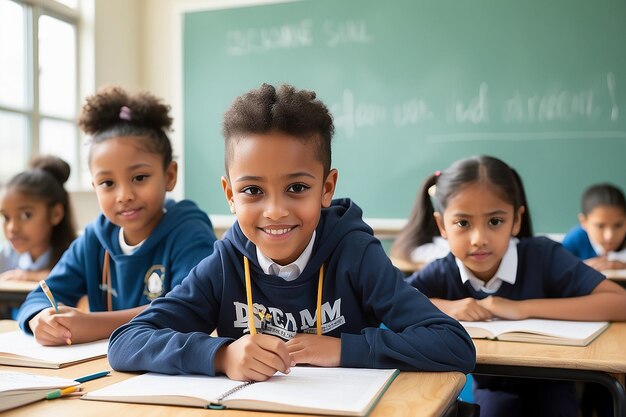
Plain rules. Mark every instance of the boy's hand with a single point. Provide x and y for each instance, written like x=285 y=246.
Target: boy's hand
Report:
x=466 y=309
x=253 y=358
x=503 y=308
x=315 y=350
x=47 y=329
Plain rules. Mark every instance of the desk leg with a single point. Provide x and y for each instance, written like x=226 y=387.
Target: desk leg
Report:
x=615 y=387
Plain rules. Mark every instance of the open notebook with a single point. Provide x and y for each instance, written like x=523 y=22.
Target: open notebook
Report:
x=552 y=332
x=311 y=390
x=17 y=388
x=19 y=349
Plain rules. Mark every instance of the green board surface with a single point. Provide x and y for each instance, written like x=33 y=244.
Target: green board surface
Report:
x=415 y=85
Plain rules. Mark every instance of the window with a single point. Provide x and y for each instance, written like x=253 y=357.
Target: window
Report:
x=38 y=83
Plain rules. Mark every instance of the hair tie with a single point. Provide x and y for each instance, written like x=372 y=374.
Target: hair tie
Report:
x=125 y=113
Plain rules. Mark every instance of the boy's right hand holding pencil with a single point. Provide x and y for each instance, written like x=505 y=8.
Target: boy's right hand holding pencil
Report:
x=253 y=358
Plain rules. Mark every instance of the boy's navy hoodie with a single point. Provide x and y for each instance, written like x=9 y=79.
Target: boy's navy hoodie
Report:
x=361 y=290
x=183 y=237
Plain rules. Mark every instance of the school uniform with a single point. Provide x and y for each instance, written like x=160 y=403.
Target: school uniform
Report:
x=10 y=260
x=183 y=237
x=361 y=289
x=531 y=268
x=577 y=241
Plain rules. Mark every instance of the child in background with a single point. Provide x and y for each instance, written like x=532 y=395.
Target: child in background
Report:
x=419 y=241
x=497 y=270
x=37 y=220
x=600 y=238
x=298 y=279
x=141 y=246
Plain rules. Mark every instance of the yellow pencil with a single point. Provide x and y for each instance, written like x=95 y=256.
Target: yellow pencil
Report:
x=48 y=293
x=62 y=392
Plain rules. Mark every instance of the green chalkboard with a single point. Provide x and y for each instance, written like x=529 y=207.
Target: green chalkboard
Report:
x=416 y=84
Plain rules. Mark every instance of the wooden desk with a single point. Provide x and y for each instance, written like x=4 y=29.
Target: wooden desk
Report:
x=405 y=266
x=603 y=361
x=13 y=294
x=411 y=394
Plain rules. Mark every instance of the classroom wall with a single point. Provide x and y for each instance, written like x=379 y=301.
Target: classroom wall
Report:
x=136 y=44
x=130 y=43
x=416 y=85
x=141 y=48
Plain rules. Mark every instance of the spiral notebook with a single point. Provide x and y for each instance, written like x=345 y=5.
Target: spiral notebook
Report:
x=310 y=390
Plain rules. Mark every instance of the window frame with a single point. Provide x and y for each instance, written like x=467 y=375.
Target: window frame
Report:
x=34 y=9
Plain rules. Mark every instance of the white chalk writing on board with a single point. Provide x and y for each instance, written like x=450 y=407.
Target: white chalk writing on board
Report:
x=300 y=34
x=518 y=108
x=250 y=40
x=346 y=32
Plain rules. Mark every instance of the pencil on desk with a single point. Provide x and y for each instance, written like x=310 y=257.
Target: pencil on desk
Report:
x=48 y=293
x=62 y=392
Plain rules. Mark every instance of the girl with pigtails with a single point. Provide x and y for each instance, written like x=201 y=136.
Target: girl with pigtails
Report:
x=141 y=245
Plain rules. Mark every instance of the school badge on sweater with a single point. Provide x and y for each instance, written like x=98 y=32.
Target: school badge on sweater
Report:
x=154 y=282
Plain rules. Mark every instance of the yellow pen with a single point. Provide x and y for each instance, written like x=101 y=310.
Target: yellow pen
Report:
x=48 y=293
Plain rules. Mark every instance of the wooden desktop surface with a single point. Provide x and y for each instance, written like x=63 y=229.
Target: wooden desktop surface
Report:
x=410 y=394
x=405 y=266
x=607 y=353
x=603 y=361
x=17 y=286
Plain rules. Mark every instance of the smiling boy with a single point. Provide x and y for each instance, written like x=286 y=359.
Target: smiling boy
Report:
x=299 y=278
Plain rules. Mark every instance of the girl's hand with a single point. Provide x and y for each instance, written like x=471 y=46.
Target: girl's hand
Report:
x=503 y=308
x=601 y=263
x=253 y=358
x=315 y=350
x=47 y=329
x=69 y=326
x=466 y=309
x=616 y=265
x=21 y=275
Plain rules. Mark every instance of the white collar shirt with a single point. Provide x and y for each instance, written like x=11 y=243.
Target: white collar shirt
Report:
x=286 y=272
x=507 y=271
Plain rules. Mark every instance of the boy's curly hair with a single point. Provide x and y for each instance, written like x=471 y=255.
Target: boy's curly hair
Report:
x=286 y=109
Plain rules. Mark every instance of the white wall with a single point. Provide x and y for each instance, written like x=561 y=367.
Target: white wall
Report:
x=137 y=44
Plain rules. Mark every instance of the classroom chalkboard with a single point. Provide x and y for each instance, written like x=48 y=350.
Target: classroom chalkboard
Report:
x=415 y=85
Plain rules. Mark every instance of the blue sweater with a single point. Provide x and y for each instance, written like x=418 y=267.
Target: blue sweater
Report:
x=183 y=237
x=361 y=290
x=545 y=270
x=577 y=241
